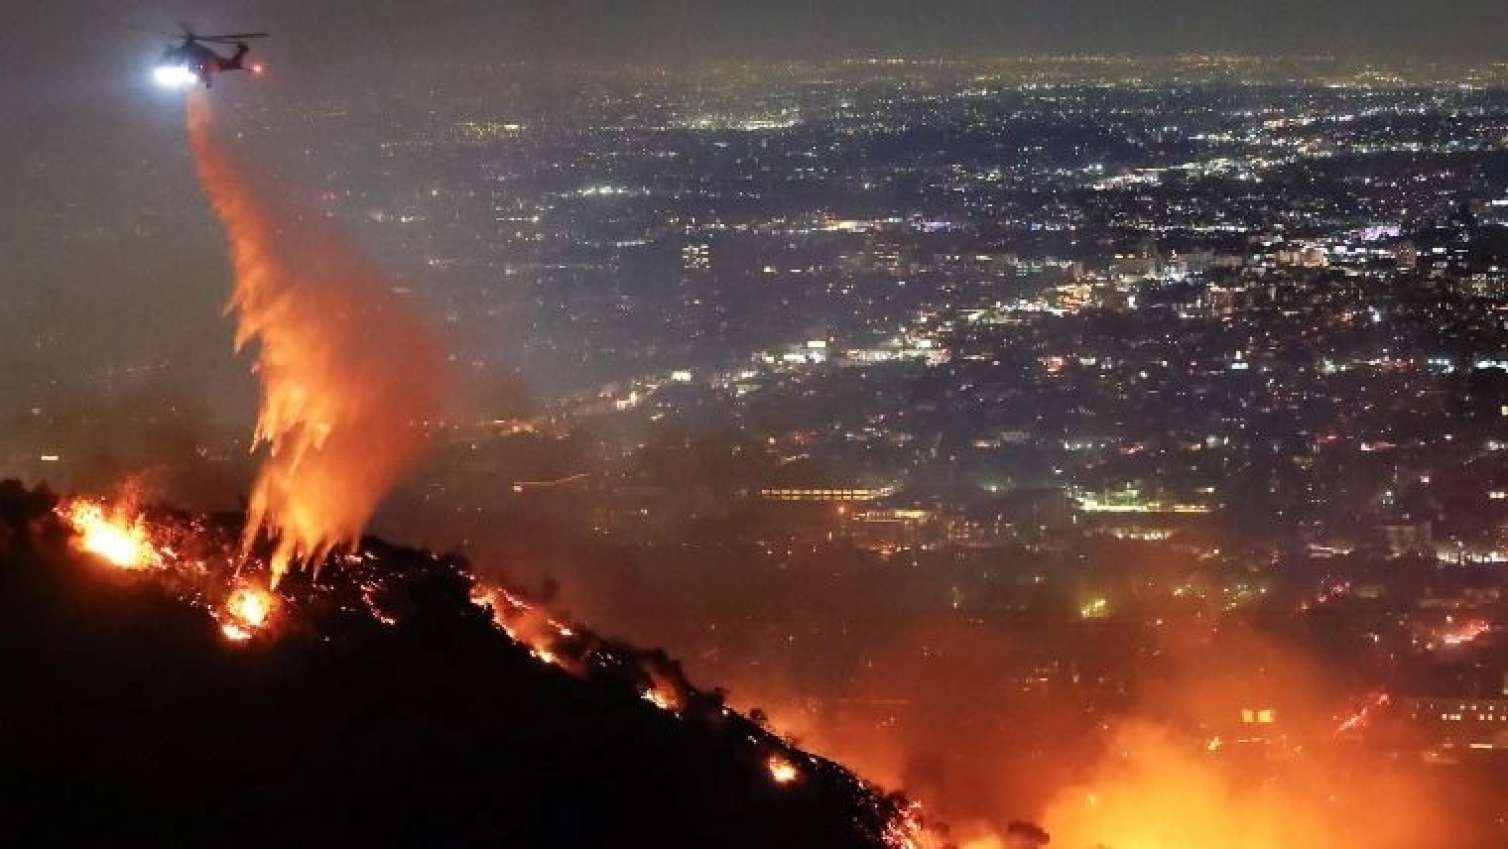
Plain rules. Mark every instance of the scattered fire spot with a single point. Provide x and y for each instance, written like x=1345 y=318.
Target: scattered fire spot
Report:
x=661 y=700
x=782 y=771
x=1362 y=716
x=109 y=534
x=246 y=612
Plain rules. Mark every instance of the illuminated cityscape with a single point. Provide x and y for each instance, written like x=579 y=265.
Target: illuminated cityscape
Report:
x=966 y=419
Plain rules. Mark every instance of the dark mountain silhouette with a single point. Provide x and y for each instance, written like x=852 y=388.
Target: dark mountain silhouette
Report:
x=126 y=718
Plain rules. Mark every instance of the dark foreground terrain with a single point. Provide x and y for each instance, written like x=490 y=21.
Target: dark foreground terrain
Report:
x=128 y=719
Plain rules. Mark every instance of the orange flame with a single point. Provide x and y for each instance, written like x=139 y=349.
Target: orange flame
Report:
x=120 y=540
x=782 y=771
x=663 y=698
x=246 y=612
x=350 y=377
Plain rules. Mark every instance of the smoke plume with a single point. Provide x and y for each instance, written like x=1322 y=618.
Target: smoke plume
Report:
x=350 y=378
x=1173 y=774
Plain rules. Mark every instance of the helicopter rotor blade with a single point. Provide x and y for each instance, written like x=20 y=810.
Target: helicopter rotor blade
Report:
x=157 y=32
x=232 y=36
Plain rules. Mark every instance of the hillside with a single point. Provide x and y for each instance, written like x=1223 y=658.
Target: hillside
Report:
x=384 y=705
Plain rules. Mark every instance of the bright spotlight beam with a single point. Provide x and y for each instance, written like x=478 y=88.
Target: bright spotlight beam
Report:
x=173 y=76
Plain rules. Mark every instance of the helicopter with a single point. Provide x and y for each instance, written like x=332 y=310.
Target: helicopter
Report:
x=194 y=61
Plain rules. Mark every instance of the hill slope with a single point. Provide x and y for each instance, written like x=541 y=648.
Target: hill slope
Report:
x=388 y=708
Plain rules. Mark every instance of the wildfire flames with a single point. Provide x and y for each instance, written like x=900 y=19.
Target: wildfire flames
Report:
x=351 y=381
x=782 y=771
x=558 y=643
x=120 y=539
x=198 y=562
x=350 y=377
x=125 y=539
x=246 y=612
x=1181 y=767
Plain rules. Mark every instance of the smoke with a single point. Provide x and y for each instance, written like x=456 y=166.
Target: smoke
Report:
x=985 y=724
x=1183 y=769
x=350 y=377
x=1153 y=790
x=938 y=708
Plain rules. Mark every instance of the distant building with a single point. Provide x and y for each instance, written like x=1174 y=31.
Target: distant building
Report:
x=886 y=254
x=1466 y=723
x=1403 y=535
x=1225 y=300
x=826 y=493
x=1131 y=267
x=1131 y=499
x=1489 y=285
x=1308 y=256
x=696 y=257
x=892 y=530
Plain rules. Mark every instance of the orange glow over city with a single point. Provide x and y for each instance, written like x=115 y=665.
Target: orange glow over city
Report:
x=1153 y=793
x=1150 y=789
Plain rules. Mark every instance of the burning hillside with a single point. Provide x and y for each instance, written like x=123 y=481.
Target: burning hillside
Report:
x=173 y=680
x=161 y=691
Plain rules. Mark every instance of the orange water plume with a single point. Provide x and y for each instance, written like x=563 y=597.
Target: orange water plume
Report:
x=350 y=376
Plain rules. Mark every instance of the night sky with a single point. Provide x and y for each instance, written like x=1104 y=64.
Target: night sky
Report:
x=89 y=144
x=343 y=31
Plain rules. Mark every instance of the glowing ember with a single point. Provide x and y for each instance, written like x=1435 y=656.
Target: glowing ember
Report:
x=234 y=632
x=1327 y=593
x=117 y=539
x=782 y=771
x=484 y=597
x=905 y=830
x=1363 y=715
x=1465 y=633
x=661 y=700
